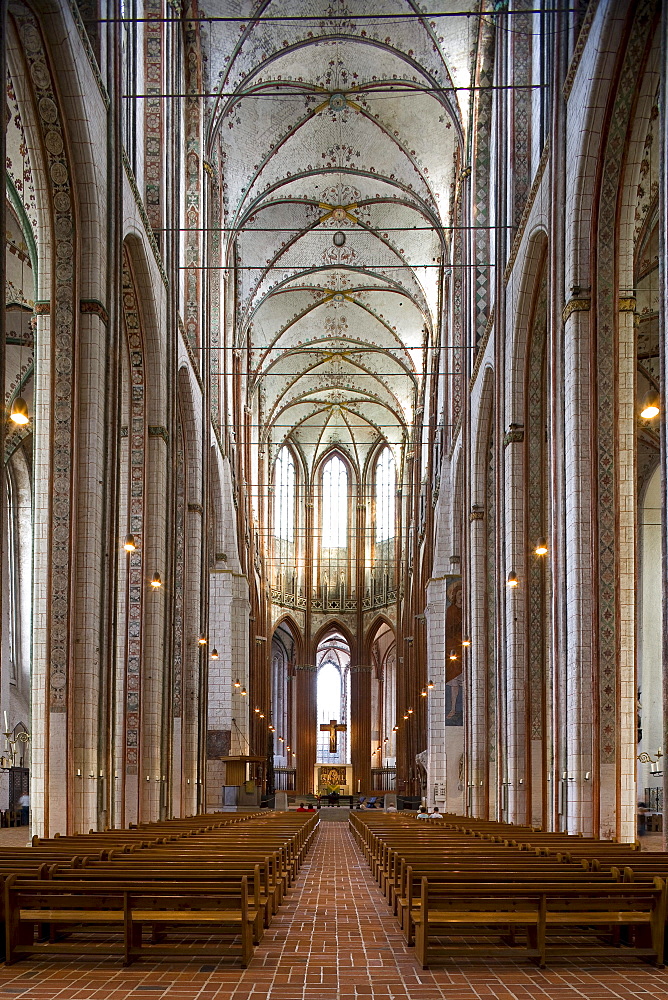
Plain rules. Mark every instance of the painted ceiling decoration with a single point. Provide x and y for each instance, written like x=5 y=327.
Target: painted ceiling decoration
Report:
x=338 y=135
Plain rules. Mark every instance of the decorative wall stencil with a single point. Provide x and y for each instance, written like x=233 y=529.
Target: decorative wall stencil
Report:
x=490 y=561
x=193 y=126
x=137 y=457
x=179 y=566
x=154 y=60
x=537 y=464
x=606 y=354
x=520 y=39
x=481 y=172
x=57 y=174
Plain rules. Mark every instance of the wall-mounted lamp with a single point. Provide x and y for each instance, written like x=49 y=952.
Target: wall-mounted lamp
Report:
x=19 y=412
x=651 y=405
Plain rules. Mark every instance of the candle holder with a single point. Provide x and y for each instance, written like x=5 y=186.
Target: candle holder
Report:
x=12 y=738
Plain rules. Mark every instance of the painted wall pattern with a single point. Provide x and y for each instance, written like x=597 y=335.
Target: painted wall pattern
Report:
x=63 y=344
x=606 y=353
x=137 y=454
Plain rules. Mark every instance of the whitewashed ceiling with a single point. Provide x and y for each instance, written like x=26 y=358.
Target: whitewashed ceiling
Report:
x=339 y=133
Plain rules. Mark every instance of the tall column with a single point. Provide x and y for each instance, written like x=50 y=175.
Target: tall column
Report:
x=436 y=653
x=360 y=726
x=306 y=739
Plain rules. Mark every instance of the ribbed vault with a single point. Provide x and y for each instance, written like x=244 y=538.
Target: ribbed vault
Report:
x=339 y=135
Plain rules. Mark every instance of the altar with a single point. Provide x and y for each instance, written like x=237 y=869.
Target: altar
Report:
x=333 y=778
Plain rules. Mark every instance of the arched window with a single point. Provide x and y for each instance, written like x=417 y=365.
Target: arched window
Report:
x=284 y=496
x=333 y=703
x=334 y=504
x=385 y=489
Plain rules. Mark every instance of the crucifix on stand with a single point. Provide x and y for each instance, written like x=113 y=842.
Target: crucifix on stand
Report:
x=332 y=727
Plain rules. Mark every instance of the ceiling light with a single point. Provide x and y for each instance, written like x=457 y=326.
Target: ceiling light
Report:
x=541 y=547
x=129 y=544
x=651 y=405
x=19 y=411
x=512 y=580
x=156 y=581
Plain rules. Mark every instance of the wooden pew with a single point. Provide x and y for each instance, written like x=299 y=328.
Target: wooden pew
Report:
x=446 y=910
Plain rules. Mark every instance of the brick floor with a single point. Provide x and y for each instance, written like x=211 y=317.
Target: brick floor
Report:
x=333 y=937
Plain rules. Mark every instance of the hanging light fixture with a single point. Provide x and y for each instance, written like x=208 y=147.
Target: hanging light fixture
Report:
x=405 y=715
x=541 y=547
x=281 y=740
x=410 y=711
x=19 y=411
x=512 y=580
x=237 y=683
x=262 y=715
x=271 y=729
x=214 y=653
x=466 y=642
x=202 y=640
x=156 y=582
x=453 y=655
x=423 y=692
x=244 y=692
x=430 y=685
x=651 y=405
x=396 y=729
x=129 y=544
x=257 y=710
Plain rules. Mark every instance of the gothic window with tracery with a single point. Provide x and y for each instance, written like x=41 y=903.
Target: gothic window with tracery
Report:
x=285 y=489
x=385 y=490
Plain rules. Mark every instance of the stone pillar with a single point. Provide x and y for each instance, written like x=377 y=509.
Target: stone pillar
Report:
x=305 y=730
x=153 y=777
x=478 y=800
x=360 y=726
x=228 y=634
x=436 y=732
x=515 y=666
x=576 y=795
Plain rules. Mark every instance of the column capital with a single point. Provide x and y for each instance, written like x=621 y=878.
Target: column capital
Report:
x=361 y=668
x=306 y=666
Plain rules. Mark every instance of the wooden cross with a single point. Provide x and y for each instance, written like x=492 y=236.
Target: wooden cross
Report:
x=332 y=727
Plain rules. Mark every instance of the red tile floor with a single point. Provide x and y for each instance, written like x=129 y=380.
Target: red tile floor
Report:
x=333 y=937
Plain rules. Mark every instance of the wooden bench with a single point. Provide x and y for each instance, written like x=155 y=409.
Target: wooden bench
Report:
x=121 y=912
x=456 y=910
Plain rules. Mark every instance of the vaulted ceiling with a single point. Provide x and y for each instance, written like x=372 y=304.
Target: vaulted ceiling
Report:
x=339 y=132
